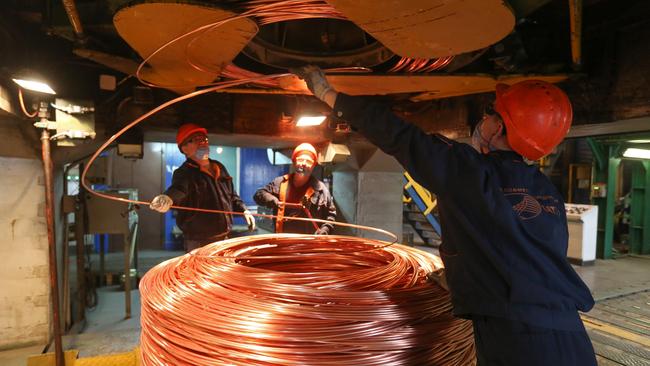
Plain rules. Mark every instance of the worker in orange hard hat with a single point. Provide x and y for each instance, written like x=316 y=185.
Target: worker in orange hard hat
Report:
x=504 y=227
x=299 y=194
x=201 y=183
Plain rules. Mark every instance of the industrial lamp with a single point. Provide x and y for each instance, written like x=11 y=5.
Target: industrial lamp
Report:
x=637 y=153
x=304 y=121
x=32 y=80
x=34 y=85
x=307 y=112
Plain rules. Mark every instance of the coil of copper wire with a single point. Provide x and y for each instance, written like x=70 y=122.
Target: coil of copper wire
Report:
x=288 y=299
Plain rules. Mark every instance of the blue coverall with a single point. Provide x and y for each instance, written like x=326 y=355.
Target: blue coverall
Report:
x=504 y=242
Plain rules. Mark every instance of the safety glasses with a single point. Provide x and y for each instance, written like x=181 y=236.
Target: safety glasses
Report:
x=198 y=139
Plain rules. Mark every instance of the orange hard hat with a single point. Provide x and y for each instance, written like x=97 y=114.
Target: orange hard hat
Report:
x=186 y=131
x=537 y=115
x=305 y=147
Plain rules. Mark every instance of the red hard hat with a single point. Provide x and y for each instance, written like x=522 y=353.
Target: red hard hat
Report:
x=186 y=131
x=305 y=147
x=537 y=116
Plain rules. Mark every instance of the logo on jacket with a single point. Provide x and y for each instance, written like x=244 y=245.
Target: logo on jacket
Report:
x=524 y=205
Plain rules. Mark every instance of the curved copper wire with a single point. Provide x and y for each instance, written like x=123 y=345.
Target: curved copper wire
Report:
x=221 y=85
x=412 y=65
x=21 y=101
x=300 y=300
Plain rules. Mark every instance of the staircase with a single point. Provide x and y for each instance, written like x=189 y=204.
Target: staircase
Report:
x=417 y=216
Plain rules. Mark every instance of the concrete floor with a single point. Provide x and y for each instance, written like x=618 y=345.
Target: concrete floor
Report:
x=107 y=331
x=617 y=277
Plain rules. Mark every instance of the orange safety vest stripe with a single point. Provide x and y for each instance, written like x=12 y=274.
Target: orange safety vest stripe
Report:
x=284 y=186
x=217 y=171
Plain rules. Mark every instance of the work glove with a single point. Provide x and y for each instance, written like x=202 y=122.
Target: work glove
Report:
x=323 y=230
x=275 y=202
x=161 y=203
x=250 y=220
x=438 y=276
x=315 y=79
x=305 y=202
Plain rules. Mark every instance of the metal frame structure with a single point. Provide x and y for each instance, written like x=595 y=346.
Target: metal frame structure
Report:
x=607 y=153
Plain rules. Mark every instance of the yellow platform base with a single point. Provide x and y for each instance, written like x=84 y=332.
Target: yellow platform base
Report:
x=71 y=359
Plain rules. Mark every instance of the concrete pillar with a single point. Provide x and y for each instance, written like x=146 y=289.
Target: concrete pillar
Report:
x=146 y=176
x=24 y=277
x=368 y=191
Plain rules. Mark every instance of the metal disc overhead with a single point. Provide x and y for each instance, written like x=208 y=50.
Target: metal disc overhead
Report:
x=190 y=61
x=429 y=29
x=428 y=86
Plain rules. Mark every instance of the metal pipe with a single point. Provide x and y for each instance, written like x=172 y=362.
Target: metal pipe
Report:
x=612 y=193
x=73 y=15
x=127 y=277
x=67 y=322
x=597 y=150
x=49 y=215
x=81 y=259
x=575 y=12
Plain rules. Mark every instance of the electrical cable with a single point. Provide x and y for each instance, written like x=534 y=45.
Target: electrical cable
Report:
x=290 y=299
x=22 y=105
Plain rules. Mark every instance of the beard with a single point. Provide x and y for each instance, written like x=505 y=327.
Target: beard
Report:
x=302 y=171
x=202 y=153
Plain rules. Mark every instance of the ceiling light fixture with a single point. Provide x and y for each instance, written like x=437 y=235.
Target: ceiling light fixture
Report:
x=305 y=121
x=639 y=141
x=637 y=153
x=33 y=85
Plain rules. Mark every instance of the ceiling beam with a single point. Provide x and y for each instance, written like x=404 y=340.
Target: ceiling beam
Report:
x=611 y=128
x=8 y=105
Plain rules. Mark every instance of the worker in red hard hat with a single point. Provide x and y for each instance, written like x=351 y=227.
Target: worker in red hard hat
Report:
x=299 y=194
x=504 y=227
x=201 y=183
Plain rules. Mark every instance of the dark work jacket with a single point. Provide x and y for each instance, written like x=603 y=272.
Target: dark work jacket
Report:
x=192 y=187
x=321 y=206
x=504 y=226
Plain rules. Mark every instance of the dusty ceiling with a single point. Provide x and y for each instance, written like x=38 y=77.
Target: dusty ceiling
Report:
x=433 y=60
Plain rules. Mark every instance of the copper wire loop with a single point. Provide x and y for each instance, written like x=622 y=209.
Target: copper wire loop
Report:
x=288 y=299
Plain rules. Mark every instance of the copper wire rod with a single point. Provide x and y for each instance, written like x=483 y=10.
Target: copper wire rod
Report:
x=300 y=300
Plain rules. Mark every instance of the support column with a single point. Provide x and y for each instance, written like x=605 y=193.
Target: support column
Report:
x=612 y=178
x=637 y=200
x=49 y=216
x=640 y=208
x=599 y=175
x=368 y=191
